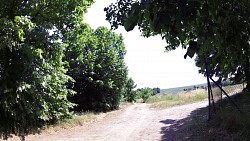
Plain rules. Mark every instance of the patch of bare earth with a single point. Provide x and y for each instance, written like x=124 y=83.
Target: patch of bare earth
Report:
x=137 y=122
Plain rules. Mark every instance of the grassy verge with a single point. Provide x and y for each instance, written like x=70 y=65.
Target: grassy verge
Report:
x=226 y=124
x=170 y=100
x=186 y=97
x=79 y=119
x=229 y=119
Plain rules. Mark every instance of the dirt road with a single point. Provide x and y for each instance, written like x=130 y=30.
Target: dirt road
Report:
x=137 y=122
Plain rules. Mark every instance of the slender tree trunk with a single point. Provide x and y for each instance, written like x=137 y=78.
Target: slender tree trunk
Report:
x=247 y=74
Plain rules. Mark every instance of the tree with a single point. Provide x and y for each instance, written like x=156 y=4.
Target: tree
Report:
x=146 y=93
x=156 y=90
x=96 y=62
x=214 y=30
x=130 y=95
x=33 y=80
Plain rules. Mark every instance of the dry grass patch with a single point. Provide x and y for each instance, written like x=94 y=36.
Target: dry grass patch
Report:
x=77 y=119
x=170 y=100
x=186 y=97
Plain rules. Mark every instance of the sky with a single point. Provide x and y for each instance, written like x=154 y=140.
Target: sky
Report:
x=148 y=63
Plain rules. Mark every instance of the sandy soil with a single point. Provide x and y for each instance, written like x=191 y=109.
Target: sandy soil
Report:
x=137 y=122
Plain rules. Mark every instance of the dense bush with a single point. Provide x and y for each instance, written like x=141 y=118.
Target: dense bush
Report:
x=96 y=62
x=129 y=94
x=33 y=80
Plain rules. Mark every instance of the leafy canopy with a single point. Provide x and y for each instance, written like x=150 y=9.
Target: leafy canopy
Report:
x=215 y=29
x=96 y=62
x=33 y=80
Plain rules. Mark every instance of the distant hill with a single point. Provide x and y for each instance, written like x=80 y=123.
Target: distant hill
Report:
x=191 y=87
x=181 y=89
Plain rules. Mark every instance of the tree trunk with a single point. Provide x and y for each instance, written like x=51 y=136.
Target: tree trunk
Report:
x=247 y=74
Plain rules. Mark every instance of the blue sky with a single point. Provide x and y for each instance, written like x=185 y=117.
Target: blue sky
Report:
x=148 y=63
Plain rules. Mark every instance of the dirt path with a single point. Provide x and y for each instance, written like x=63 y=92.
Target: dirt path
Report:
x=137 y=122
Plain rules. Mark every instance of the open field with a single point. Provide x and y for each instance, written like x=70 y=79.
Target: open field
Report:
x=170 y=100
x=185 y=97
x=179 y=89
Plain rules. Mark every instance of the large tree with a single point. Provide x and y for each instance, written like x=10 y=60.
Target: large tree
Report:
x=129 y=94
x=33 y=80
x=96 y=62
x=218 y=30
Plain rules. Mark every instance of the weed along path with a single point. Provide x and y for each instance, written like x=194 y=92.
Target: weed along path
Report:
x=137 y=122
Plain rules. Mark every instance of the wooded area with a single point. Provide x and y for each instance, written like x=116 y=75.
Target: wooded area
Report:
x=52 y=63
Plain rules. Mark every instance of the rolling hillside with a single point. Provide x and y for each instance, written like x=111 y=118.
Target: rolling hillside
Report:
x=190 y=87
x=181 y=89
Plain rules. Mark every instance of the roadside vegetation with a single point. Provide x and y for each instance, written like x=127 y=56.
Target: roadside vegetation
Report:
x=170 y=100
x=226 y=124
x=53 y=64
x=76 y=119
x=220 y=44
x=162 y=101
x=229 y=119
x=159 y=101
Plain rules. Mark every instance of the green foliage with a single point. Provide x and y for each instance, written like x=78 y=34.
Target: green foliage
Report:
x=130 y=95
x=145 y=93
x=156 y=90
x=33 y=80
x=96 y=62
x=217 y=30
x=34 y=83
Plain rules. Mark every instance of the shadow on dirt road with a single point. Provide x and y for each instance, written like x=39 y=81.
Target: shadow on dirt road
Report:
x=189 y=128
